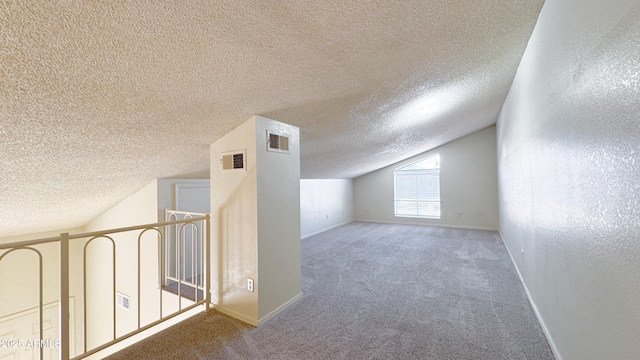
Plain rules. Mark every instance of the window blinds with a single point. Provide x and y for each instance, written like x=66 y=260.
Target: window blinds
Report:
x=417 y=192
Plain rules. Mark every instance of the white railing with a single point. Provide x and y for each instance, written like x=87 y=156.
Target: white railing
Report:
x=183 y=259
x=196 y=226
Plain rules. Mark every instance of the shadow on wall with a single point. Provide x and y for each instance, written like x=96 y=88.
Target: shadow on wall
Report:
x=237 y=248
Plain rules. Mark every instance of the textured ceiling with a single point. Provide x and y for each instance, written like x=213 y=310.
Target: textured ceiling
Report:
x=97 y=98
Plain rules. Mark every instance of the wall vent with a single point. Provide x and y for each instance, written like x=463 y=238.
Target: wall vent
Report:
x=235 y=160
x=277 y=142
x=123 y=301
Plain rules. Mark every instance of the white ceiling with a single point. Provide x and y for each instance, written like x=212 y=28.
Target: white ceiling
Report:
x=97 y=98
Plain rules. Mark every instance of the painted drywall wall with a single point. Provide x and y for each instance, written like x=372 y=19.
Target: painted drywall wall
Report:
x=19 y=281
x=143 y=207
x=279 y=253
x=325 y=204
x=255 y=226
x=569 y=176
x=468 y=186
x=234 y=226
x=19 y=273
x=139 y=208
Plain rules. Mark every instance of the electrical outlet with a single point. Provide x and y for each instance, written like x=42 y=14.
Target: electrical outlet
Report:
x=250 y=285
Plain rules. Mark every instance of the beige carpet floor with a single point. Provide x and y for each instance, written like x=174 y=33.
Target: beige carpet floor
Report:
x=379 y=291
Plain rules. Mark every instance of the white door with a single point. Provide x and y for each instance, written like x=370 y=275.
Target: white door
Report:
x=193 y=197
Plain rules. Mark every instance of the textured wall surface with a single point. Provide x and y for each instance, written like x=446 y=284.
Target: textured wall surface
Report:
x=98 y=98
x=139 y=208
x=468 y=186
x=324 y=204
x=279 y=252
x=234 y=226
x=569 y=176
x=256 y=222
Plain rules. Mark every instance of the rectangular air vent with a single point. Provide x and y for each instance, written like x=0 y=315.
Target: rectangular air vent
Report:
x=235 y=160
x=123 y=301
x=277 y=142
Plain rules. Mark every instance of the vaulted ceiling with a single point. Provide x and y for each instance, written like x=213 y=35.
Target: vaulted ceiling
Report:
x=97 y=98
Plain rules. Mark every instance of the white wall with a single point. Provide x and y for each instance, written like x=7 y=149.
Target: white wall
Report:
x=143 y=207
x=256 y=223
x=234 y=226
x=279 y=253
x=468 y=186
x=569 y=176
x=19 y=273
x=139 y=208
x=19 y=278
x=325 y=204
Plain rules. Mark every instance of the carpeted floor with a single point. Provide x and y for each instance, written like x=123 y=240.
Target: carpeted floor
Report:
x=379 y=291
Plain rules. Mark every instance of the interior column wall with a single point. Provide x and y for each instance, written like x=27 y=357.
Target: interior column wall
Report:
x=255 y=223
x=234 y=226
x=278 y=188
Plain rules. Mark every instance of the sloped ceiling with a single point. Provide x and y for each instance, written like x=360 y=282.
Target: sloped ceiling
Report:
x=97 y=98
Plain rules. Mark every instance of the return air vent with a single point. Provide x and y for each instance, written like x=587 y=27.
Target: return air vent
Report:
x=277 y=143
x=235 y=160
x=123 y=301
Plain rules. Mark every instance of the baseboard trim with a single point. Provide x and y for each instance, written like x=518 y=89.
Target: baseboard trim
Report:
x=279 y=309
x=543 y=325
x=252 y=321
x=425 y=224
x=324 y=229
x=234 y=314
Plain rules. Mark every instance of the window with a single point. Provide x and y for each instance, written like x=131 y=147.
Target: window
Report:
x=417 y=189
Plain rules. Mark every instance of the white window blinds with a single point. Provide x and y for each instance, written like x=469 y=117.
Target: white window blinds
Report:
x=417 y=189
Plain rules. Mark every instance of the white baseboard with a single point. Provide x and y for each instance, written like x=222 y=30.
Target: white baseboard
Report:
x=324 y=229
x=234 y=314
x=279 y=309
x=252 y=321
x=425 y=224
x=543 y=325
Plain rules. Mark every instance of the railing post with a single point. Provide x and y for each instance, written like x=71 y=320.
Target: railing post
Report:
x=207 y=285
x=64 y=297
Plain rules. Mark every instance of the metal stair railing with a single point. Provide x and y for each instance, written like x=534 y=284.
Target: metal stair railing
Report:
x=200 y=227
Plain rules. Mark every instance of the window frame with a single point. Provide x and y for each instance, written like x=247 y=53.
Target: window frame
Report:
x=427 y=205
